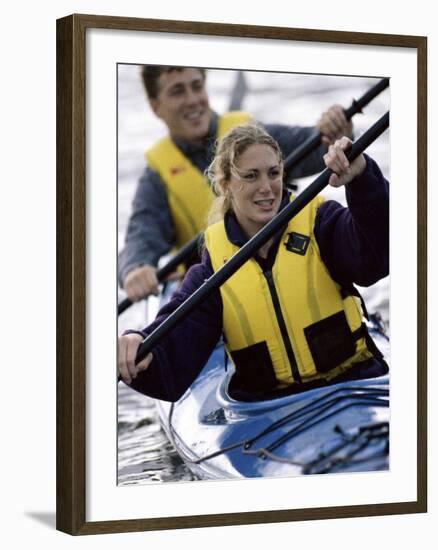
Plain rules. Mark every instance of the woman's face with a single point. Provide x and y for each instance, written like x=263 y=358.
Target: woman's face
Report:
x=256 y=191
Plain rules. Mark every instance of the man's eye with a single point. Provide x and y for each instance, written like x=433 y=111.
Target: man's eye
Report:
x=176 y=91
x=197 y=86
x=274 y=174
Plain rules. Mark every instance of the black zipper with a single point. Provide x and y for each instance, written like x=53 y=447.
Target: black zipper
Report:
x=282 y=325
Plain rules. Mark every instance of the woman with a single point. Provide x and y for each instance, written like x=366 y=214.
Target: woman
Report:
x=290 y=317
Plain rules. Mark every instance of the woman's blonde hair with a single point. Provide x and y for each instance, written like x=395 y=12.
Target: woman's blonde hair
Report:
x=228 y=150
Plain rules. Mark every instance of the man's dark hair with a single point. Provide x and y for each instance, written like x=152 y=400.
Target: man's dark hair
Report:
x=151 y=73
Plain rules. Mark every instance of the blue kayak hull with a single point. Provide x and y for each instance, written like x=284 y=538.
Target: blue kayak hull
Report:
x=337 y=428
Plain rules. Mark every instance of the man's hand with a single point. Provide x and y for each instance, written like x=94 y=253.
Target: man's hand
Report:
x=140 y=282
x=333 y=125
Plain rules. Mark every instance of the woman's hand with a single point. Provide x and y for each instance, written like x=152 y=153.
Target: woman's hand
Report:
x=336 y=160
x=127 y=351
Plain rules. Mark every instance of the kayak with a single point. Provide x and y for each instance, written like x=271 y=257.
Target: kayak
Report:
x=337 y=428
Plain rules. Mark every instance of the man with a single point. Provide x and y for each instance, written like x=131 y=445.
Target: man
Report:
x=173 y=197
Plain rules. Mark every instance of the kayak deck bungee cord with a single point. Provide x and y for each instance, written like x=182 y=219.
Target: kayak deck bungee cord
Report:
x=343 y=427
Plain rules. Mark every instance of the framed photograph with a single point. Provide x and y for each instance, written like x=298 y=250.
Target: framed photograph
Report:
x=116 y=469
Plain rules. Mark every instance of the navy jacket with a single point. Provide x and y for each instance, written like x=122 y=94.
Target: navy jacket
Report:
x=354 y=245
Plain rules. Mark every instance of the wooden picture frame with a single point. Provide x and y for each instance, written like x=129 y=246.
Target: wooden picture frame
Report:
x=72 y=268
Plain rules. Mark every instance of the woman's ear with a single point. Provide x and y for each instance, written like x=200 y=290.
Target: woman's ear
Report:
x=223 y=186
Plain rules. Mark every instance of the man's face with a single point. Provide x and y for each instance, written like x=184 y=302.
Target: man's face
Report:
x=182 y=103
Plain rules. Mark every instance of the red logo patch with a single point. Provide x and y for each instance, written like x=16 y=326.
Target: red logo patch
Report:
x=175 y=170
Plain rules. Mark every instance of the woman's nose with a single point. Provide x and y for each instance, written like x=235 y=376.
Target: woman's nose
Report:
x=265 y=183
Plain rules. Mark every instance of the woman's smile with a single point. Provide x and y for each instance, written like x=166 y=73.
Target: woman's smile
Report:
x=265 y=204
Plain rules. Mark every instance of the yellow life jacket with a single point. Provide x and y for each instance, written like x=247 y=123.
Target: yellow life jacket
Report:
x=296 y=318
x=188 y=192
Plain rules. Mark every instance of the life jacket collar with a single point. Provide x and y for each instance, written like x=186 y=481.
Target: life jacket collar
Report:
x=188 y=149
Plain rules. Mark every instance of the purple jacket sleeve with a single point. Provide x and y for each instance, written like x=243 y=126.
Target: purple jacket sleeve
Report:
x=172 y=372
x=354 y=241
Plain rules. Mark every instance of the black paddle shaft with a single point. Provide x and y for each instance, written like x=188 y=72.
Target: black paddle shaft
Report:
x=258 y=240
x=313 y=141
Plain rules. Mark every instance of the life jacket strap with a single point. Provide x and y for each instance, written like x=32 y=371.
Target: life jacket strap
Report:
x=351 y=290
x=362 y=332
